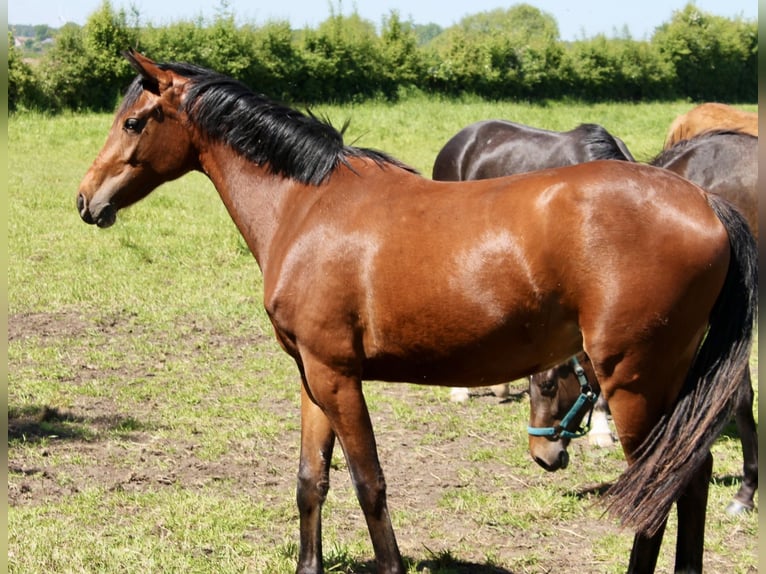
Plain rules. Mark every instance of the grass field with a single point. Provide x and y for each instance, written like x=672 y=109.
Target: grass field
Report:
x=153 y=420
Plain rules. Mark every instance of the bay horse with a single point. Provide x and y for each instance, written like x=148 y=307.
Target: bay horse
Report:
x=724 y=163
x=710 y=116
x=560 y=398
x=373 y=272
x=721 y=162
x=495 y=148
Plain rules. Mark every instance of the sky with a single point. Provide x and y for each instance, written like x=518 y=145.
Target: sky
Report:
x=576 y=19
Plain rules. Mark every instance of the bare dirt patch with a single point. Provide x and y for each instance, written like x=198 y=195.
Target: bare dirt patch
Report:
x=59 y=451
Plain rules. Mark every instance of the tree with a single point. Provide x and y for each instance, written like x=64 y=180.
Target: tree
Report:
x=714 y=58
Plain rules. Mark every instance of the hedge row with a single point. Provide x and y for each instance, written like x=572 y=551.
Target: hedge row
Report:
x=503 y=54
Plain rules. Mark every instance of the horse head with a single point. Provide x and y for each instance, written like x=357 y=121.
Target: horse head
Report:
x=146 y=146
x=560 y=397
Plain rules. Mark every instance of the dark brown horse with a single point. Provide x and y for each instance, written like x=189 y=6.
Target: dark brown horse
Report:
x=721 y=162
x=708 y=117
x=495 y=148
x=372 y=272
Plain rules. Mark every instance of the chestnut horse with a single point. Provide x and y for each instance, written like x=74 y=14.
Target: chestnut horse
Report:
x=710 y=116
x=373 y=272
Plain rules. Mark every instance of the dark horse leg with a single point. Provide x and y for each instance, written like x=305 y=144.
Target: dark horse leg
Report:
x=643 y=556
x=344 y=410
x=317 y=441
x=748 y=434
x=691 y=508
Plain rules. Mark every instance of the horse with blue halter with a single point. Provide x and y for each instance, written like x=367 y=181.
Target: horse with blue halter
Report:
x=373 y=272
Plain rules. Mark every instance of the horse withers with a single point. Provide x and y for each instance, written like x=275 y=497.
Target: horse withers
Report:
x=373 y=272
x=496 y=148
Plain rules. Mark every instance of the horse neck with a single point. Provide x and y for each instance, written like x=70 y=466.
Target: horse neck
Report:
x=254 y=198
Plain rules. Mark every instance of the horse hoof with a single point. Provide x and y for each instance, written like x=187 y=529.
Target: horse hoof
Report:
x=458 y=395
x=737 y=508
x=501 y=391
x=601 y=440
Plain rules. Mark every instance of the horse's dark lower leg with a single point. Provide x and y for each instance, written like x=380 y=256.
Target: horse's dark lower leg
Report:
x=371 y=492
x=341 y=399
x=643 y=556
x=692 y=506
x=317 y=441
x=748 y=435
x=370 y=486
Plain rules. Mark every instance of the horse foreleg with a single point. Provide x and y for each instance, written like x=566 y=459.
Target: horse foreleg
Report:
x=748 y=434
x=691 y=507
x=317 y=440
x=340 y=398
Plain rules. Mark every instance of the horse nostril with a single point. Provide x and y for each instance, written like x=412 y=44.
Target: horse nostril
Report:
x=81 y=209
x=563 y=459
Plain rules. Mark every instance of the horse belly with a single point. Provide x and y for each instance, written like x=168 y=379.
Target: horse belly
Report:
x=445 y=350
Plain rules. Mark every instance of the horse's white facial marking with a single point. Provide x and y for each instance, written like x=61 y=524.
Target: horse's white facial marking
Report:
x=477 y=270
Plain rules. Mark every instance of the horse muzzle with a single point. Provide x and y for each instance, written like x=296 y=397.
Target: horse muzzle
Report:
x=105 y=217
x=552 y=455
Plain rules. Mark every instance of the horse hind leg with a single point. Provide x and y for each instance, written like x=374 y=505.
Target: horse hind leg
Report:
x=646 y=549
x=748 y=434
x=692 y=506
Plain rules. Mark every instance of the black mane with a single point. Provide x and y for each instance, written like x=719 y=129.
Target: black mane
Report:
x=292 y=144
x=601 y=144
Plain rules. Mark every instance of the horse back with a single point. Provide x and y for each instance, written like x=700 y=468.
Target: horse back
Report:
x=724 y=163
x=496 y=148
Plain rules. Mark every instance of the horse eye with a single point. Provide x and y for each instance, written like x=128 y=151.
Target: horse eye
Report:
x=548 y=387
x=133 y=125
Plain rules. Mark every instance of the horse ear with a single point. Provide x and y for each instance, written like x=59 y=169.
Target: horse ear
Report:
x=155 y=78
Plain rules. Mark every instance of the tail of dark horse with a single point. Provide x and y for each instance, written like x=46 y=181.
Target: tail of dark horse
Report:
x=644 y=494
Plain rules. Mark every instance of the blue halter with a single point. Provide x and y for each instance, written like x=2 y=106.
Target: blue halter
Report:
x=585 y=401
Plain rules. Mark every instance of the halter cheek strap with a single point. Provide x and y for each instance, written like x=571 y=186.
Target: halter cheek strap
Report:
x=584 y=402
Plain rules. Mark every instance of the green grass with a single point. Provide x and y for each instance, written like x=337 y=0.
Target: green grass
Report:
x=156 y=419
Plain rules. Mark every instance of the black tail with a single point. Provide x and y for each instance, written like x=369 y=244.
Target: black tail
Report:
x=644 y=493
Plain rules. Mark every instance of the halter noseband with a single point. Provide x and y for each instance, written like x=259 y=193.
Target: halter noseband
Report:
x=583 y=403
